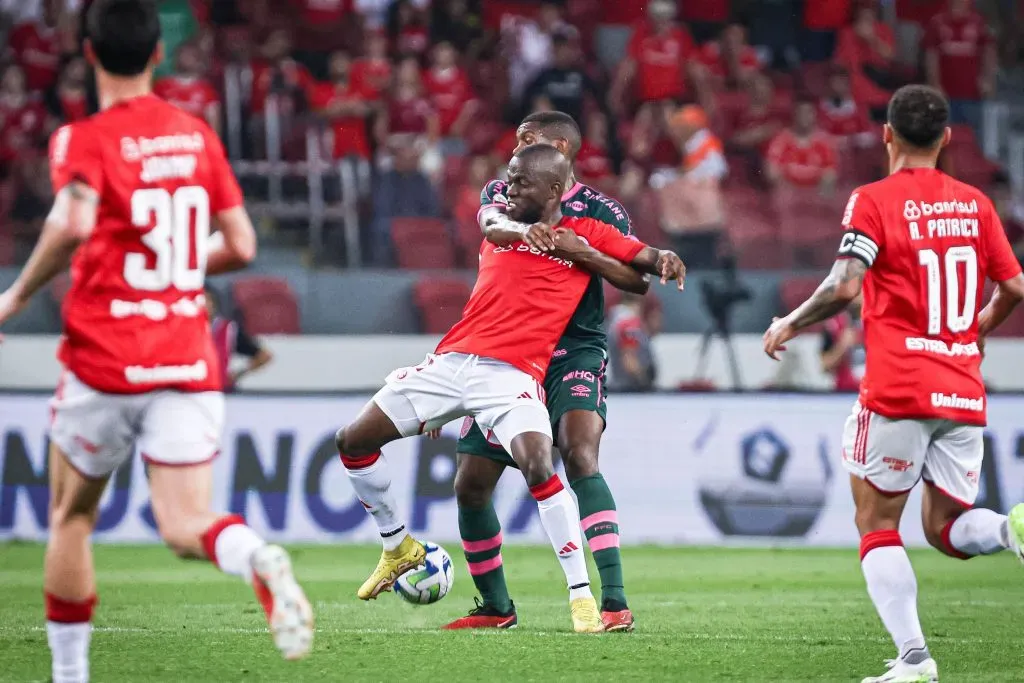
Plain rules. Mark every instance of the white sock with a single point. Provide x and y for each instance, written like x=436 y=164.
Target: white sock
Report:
x=979 y=532
x=69 y=646
x=893 y=588
x=373 y=486
x=561 y=520
x=234 y=547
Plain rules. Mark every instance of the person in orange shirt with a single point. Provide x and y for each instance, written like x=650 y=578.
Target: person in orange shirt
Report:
x=691 y=204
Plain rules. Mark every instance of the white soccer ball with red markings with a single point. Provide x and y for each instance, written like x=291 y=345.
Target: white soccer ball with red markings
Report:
x=429 y=582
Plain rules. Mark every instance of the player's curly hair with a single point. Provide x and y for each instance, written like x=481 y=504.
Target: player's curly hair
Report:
x=558 y=124
x=123 y=34
x=919 y=114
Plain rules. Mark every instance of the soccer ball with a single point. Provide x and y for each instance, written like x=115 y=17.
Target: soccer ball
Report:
x=430 y=581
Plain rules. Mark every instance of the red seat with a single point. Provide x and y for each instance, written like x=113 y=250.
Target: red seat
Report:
x=440 y=302
x=7 y=249
x=267 y=305
x=965 y=159
x=422 y=243
x=645 y=213
x=794 y=291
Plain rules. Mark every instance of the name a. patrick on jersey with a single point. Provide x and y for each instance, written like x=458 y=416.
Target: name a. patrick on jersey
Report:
x=959 y=224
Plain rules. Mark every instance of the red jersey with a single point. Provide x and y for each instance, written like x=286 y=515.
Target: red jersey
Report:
x=711 y=57
x=21 y=128
x=319 y=12
x=918 y=11
x=194 y=95
x=592 y=161
x=37 y=51
x=73 y=106
x=711 y=11
x=827 y=15
x=134 y=317
x=802 y=162
x=372 y=76
x=349 y=131
x=960 y=43
x=842 y=119
x=661 y=62
x=449 y=92
x=523 y=299
x=409 y=116
x=929 y=242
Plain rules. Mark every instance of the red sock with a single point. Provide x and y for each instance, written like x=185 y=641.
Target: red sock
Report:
x=358 y=462
x=63 y=611
x=547 y=489
x=209 y=537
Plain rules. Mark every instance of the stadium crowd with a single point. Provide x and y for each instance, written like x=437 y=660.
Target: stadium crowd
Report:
x=726 y=127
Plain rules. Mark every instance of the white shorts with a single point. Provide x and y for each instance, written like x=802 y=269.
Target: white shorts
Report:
x=504 y=400
x=98 y=431
x=892 y=455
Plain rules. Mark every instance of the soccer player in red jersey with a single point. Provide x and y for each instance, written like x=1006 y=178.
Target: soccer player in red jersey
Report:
x=491 y=366
x=921 y=245
x=137 y=187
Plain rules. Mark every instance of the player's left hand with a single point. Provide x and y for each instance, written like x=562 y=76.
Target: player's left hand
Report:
x=776 y=337
x=671 y=267
x=541 y=237
x=568 y=244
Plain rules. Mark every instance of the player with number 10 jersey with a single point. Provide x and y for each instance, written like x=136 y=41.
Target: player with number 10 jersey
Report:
x=135 y=318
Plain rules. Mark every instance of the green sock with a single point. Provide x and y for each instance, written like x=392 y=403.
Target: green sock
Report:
x=601 y=527
x=481 y=541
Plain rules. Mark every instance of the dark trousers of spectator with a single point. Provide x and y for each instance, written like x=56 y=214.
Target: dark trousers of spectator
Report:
x=698 y=248
x=817 y=46
x=966 y=112
x=703 y=31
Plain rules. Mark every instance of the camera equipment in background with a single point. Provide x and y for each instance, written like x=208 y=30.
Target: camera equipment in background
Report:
x=721 y=293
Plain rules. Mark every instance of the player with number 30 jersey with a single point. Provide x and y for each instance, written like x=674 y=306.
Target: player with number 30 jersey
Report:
x=135 y=318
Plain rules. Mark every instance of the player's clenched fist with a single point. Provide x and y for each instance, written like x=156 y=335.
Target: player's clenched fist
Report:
x=540 y=236
x=671 y=267
x=776 y=337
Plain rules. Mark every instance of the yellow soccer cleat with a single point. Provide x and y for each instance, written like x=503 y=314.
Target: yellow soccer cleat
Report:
x=586 y=618
x=392 y=564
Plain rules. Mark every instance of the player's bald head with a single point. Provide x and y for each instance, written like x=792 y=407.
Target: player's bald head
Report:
x=550 y=127
x=544 y=165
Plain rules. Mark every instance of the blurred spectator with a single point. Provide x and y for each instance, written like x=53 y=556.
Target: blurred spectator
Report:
x=528 y=44
x=324 y=29
x=375 y=12
x=563 y=86
x=631 y=364
x=458 y=23
x=450 y=93
x=593 y=165
x=34 y=196
x=841 y=117
x=411 y=116
x=371 y=74
x=660 y=57
x=407 y=29
x=467 y=201
x=178 y=25
x=22 y=117
x=706 y=18
x=822 y=19
x=68 y=101
x=842 y=349
x=961 y=60
x=911 y=18
x=188 y=88
x=729 y=61
x=36 y=47
x=866 y=50
x=346 y=107
x=802 y=156
x=773 y=27
x=652 y=152
x=401 y=191
x=756 y=125
x=278 y=74
x=230 y=339
x=692 y=211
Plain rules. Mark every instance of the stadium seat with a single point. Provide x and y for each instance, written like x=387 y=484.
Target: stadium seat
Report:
x=965 y=158
x=440 y=302
x=266 y=305
x=422 y=243
x=646 y=216
x=7 y=249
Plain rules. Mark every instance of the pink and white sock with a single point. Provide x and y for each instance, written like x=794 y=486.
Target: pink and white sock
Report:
x=68 y=632
x=561 y=520
x=371 y=479
x=230 y=543
x=892 y=587
x=976 y=532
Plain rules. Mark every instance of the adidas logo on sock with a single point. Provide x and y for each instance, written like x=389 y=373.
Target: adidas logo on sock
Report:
x=568 y=548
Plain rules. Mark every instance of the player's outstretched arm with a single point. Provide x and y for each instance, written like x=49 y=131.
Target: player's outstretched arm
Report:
x=234 y=247
x=1008 y=294
x=833 y=295
x=69 y=223
x=569 y=246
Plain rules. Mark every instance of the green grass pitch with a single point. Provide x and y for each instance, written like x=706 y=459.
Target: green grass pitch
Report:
x=702 y=615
